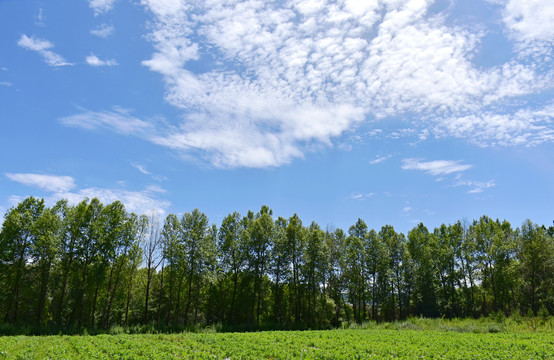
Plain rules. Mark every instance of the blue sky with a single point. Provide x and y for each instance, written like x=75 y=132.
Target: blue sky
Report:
x=395 y=111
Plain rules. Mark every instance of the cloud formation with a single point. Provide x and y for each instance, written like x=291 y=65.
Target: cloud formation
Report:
x=101 y=6
x=530 y=20
x=287 y=75
x=443 y=168
x=43 y=48
x=63 y=187
x=46 y=182
x=476 y=186
x=118 y=120
x=139 y=202
x=141 y=168
x=93 y=60
x=525 y=127
x=435 y=167
x=361 y=196
x=379 y=159
x=103 y=31
x=282 y=78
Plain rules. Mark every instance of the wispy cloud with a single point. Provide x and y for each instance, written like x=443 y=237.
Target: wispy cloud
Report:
x=524 y=127
x=308 y=60
x=119 y=120
x=145 y=171
x=442 y=168
x=141 y=168
x=101 y=6
x=64 y=187
x=140 y=202
x=93 y=60
x=283 y=78
x=361 y=196
x=103 y=31
x=379 y=159
x=5 y=83
x=46 y=182
x=435 y=167
x=476 y=186
x=39 y=18
x=43 y=48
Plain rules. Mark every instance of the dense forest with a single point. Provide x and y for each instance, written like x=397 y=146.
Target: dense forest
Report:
x=92 y=265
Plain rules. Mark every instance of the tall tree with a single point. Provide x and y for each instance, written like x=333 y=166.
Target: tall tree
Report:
x=153 y=257
x=19 y=233
x=44 y=251
x=316 y=257
x=536 y=255
x=421 y=247
x=261 y=240
x=296 y=242
x=280 y=269
x=232 y=247
x=194 y=229
x=173 y=253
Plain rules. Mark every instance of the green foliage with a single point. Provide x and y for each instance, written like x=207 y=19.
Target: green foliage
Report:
x=97 y=267
x=336 y=344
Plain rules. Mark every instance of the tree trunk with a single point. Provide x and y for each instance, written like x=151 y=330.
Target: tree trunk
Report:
x=45 y=277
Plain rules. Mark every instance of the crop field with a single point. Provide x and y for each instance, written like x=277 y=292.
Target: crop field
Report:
x=334 y=344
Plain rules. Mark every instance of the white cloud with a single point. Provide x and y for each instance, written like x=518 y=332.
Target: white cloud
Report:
x=145 y=171
x=46 y=182
x=442 y=168
x=119 y=120
x=42 y=47
x=283 y=78
x=476 y=186
x=140 y=202
x=39 y=18
x=436 y=167
x=103 y=31
x=93 y=60
x=101 y=6
x=379 y=159
x=5 y=83
x=141 y=168
x=524 y=127
x=311 y=70
x=62 y=187
x=530 y=20
x=361 y=196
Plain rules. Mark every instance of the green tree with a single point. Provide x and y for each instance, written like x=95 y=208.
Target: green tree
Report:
x=280 y=269
x=19 y=233
x=173 y=254
x=536 y=255
x=151 y=248
x=194 y=230
x=261 y=232
x=44 y=253
x=421 y=247
x=296 y=242
x=233 y=250
x=316 y=258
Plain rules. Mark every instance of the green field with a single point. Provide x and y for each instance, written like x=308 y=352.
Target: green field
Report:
x=333 y=344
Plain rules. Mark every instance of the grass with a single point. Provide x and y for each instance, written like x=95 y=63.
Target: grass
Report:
x=496 y=323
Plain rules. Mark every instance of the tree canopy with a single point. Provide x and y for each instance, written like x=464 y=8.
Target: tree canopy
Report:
x=96 y=265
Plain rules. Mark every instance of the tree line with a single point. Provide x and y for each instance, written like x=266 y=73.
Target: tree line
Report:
x=92 y=265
